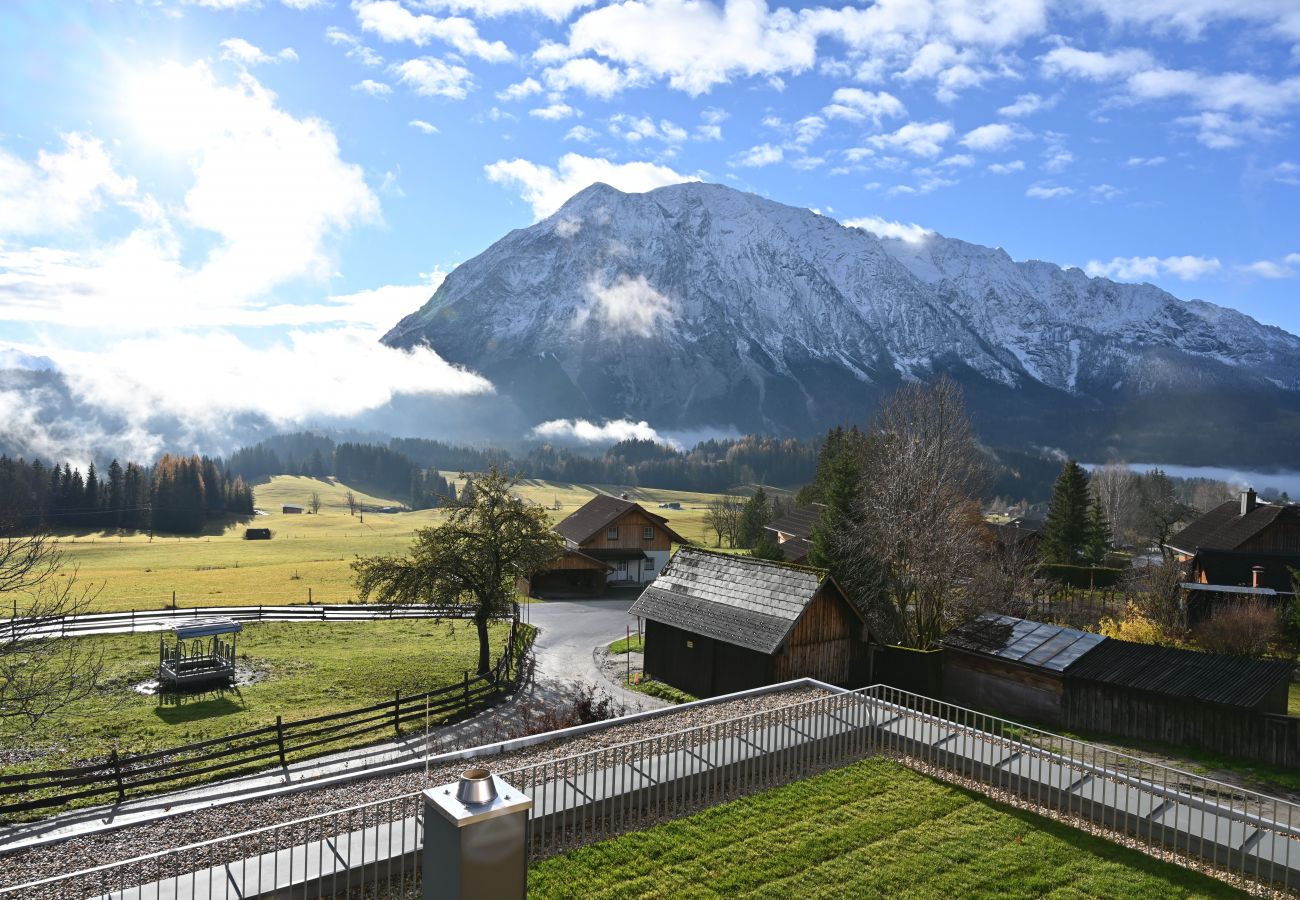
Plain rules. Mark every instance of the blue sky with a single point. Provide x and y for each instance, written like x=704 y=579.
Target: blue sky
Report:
x=269 y=185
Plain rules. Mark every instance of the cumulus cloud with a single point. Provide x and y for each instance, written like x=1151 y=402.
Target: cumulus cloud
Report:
x=919 y=138
x=393 y=22
x=1146 y=161
x=1026 y=105
x=61 y=189
x=545 y=188
x=855 y=105
x=627 y=305
x=429 y=76
x=1137 y=268
x=556 y=10
x=1272 y=269
x=1095 y=65
x=423 y=127
x=247 y=54
x=912 y=233
x=372 y=87
x=635 y=129
x=520 y=90
x=1006 y=168
x=586 y=432
x=554 y=112
x=992 y=137
x=758 y=156
x=355 y=49
x=1047 y=191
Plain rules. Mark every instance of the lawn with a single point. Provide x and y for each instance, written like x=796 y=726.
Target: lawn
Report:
x=1294 y=704
x=309 y=555
x=302 y=670
x=873 y=829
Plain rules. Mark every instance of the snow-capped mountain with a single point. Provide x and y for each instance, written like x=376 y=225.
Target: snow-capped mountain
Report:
x=699 y=305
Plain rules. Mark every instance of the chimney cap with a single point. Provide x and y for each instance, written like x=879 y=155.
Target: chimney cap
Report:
x=476 y=787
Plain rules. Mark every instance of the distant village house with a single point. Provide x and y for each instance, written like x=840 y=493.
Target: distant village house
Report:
x=794 y=531
x=290 y=510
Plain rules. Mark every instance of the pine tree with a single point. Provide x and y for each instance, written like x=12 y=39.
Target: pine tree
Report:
x=92 y=501
x=1098 y=541
x=756 y=514
x=1066 y=531
x=115 y=494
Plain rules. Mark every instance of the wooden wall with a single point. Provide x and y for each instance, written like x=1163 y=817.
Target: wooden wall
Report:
x=1241 y=733
x=1277 y=538
x=825 y=643
x=631 y=525
x=1007 y=688
x=702 y=666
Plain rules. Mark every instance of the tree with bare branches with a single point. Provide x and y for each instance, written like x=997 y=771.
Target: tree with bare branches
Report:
x=920 y=527
x=41 y=673
x=722 y=517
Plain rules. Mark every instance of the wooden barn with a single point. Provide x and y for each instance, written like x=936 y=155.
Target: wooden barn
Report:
x=718 y=623
x=1012 y=666
x=610 y=540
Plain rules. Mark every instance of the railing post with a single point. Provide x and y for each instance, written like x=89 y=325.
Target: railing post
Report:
x=465 y=691
x=475 y=840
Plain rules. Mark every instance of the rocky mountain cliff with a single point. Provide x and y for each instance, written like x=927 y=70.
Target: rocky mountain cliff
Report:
x=697 y=305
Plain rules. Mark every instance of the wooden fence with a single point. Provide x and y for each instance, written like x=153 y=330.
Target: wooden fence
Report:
x=277 y=744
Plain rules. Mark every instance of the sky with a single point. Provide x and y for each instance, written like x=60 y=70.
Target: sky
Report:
x=269 y=185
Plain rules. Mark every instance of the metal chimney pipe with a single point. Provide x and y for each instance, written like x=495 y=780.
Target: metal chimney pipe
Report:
x=1255 y=572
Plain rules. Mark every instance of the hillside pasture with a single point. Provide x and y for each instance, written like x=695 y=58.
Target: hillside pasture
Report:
x=309 y=556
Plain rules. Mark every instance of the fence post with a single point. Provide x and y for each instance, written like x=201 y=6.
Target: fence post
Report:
x=465 y=691
x=397 y=713
x=117 y=774
x=279 y=739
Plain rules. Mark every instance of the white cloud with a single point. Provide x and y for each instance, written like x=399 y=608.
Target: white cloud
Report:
x=1026 y=105
x=356 y=50
x=1104 y=192
x=760 y=155
x=1231 y=91
x=546 y=189
x=635 y=129
x=423 y=126
x=268 y=194
x=580 y=133
x=372 y=87
x=1006 y=168
x=519 y=91
x=992 y=137
x=1192 y=17
x=556 y=10
x=1047 y=191
x=429 y=76
x=808 y=129
x=586 y=432
x=1220 y=131
x=709 y=132
x=1286 y=172
x=1146 y=161
x=60 y=190
x=1137 y=268
x=856 y=104
x=957 y=161
x=912 y=233
x=921 y=139
x=1267 y=268
x=394 y=22
x=1094 y=65
x=592 y=77
x=627 y=305
x=246 y=54
x=554 y=112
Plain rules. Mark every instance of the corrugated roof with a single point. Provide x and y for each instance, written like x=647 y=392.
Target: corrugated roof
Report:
x=1230 y=680
x=1050 y=647
x=1225 y=528
x=197 y=628
x=799 y=521
x=740 y=600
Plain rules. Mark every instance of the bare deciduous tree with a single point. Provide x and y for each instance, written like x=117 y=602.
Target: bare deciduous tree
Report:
x=315 y=503
x=921 y=528
x=351 y=500
x=1115 y=489
x=1009 y=580
x=722 y=517
x=41 y=673
x=1154 y=591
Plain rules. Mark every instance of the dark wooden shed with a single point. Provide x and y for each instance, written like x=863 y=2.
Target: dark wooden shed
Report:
x=1012 y=666
x=718 y=623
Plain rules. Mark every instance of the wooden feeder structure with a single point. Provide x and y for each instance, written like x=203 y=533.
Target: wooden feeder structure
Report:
x=199 y=652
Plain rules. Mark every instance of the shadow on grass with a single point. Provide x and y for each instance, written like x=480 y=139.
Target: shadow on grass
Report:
x=177 y=709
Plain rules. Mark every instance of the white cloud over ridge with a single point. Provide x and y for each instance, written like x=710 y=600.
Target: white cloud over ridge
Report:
x=900 y=231
x=1138 y=268
x=627 y=305
x=546 y=189
x=583 y=431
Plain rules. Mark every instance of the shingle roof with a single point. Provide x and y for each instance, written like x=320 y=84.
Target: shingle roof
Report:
x=739 y=600
x=1231 y=680
x=796 y=550
x=799 y=521
x=602 y=510
x=1037 y=644
x=1225 y=528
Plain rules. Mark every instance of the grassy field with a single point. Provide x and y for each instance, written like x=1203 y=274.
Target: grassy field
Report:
x=301 y=670
x=308 y=553
x=874 y=829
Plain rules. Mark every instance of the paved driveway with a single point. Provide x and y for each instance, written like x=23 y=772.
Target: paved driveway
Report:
x=569 y=632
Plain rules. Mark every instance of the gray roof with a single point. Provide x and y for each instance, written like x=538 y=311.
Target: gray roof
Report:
x=1037 y=644
x=197 y=628
x=739 y=600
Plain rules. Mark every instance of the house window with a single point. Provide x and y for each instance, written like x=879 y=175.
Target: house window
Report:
x=648 y=533
x=611 y=533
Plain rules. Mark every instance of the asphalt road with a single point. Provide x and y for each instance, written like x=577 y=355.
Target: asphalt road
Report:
x=570 y=630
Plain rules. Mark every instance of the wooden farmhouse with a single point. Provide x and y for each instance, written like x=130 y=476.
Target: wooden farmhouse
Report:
x=717 y=623
x=610 y=540
x=1240 y=551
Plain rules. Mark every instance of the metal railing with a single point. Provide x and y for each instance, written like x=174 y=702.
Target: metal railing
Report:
x=582 y=798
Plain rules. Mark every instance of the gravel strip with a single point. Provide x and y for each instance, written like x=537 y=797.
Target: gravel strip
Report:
x=78 y=853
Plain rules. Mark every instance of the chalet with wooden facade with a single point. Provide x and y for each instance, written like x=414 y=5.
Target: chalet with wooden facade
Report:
x=717 y=623
x=1241 y=550
x=794 y=530
x=610 y=540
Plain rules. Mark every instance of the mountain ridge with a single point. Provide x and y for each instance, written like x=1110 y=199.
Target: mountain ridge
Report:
x=698 y=305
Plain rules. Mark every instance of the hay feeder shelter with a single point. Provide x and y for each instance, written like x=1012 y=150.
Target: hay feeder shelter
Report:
x=200 y=652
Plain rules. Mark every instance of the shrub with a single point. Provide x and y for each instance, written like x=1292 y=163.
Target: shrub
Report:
x=1246 y=629
x=1135 y=627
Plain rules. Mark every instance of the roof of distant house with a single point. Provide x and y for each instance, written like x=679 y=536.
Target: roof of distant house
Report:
x=799 y=521
x=1225 y=528
x=599 y=512
x=741 y=600
x=796 y=550
x=1233 y=568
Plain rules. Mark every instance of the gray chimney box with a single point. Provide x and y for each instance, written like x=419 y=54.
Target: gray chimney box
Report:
x=1248 y=504
x=475 y=849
